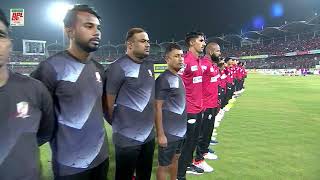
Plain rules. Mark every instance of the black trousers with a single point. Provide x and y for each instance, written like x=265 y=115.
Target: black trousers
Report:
x=237 y=84
x=134 y=159
x=98 y=173
x=229 y=93
x=222 y=97
x=206 y=133
x=241 y=83
x=192 y=135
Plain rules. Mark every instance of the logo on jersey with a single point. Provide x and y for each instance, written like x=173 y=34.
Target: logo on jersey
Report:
x=150 y=72
x=194 y=68
x=197 y=79
x=98 y=77
x=22 y=110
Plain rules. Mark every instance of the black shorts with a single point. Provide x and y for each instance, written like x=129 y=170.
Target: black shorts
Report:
x=165 y=154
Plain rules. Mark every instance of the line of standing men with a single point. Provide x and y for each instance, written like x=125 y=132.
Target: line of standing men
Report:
x=69 y=111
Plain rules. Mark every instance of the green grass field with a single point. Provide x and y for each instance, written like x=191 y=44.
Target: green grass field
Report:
x=272 y=132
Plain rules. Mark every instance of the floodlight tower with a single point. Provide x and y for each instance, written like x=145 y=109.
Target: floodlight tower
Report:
x=56 y=14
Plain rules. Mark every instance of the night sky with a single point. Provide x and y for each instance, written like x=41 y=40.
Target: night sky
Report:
x=165 y=19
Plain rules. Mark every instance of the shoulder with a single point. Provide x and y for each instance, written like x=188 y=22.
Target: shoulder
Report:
x=27 y=83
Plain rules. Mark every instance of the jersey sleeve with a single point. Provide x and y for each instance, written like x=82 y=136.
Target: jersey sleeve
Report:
x=47 y=121
x=114 y=79
x=47 y=75
x=162 y=88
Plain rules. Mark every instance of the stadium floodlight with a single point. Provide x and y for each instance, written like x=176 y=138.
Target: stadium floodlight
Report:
x=57 y=12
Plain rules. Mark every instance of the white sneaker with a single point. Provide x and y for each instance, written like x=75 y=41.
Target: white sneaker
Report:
x=219 y=116
x=203 y=165
x=210 y=156
x=226 y=109
x=214 y=134
x=216 y=124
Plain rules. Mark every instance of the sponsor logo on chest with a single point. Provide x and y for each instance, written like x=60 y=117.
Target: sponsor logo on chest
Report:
x=194 y=68
x=197 y=79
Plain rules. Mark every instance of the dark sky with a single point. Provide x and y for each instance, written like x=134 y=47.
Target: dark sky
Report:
x=163 y=19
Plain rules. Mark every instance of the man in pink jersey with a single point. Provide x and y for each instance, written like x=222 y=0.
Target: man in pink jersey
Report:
x=210 y=103
x=192 y=79
x=230 y=79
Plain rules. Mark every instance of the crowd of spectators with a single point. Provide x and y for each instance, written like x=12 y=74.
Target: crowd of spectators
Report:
x=292 y=62
x=275 y=47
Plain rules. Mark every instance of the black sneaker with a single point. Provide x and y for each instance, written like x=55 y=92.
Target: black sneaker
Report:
x=212 y=142
x=181 y=178
x=194 y=170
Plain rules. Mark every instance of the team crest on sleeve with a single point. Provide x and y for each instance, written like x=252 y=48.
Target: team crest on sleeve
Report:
x=98 y=77
x=22 y=110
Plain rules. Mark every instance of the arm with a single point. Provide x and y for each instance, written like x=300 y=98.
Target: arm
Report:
x=46 y=127
x=47 y=75
x=114 y=78
x=110 y=99
x=162 y=139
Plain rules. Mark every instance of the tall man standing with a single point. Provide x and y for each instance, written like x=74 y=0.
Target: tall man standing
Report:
x=192 y=78
x=210 y=103
x=79 y=147
x=130 y=97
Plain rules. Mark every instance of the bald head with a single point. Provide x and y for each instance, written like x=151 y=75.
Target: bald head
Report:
x=211 y=47
x=213 y=50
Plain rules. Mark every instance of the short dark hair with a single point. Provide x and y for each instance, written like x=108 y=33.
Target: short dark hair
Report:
x=227 y=59
x=71 y=15
x=192 y=35
x=171 y=47
x=4 y=19
x=133 y=31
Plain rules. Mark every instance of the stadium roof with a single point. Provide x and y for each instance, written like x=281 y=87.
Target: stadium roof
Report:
x=314 y=20
x=290 y=28
x=253 y=35
x=219 y=40
x=297 y=27
x=273 y=32
x=233 y=38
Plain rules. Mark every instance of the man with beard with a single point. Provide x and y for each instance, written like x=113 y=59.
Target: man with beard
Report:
x=210 y=103
x=130 y=106
x=222 y=91
x=192 y=78
x=79 y=147
x=26 y=116
x=171 y=115
x=230 y=81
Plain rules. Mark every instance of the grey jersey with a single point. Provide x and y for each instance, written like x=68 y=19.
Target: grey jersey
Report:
x=170 y=88
x=26 y=121
x=80 y=141
x=133 y=85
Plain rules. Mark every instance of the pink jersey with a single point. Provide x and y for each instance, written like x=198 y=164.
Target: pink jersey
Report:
x=210 y=83
x=223 y=79
x=229 y=73
x=192 y=79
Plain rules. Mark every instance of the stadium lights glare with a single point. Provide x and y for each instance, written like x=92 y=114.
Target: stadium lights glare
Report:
x=57 y=11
